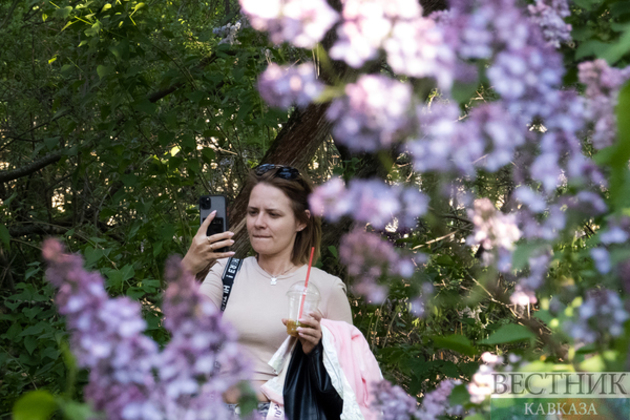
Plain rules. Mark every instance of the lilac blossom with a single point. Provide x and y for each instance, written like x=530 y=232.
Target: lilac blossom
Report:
x=601 y=258
x=366 y=25
x=129 y=379
x=525 y=290
x=530 y=198
x=435 y=403
x=602 y=88
x=444 y=145
x=493 y=230
x=601 y=312
x=367 y=257
x=482 y=382
x=371 y=201
x=418 y=305
x=393 y=402
x=427 y=56
x=106 y=335
x=615 y=234
x=282 y=87
x=301 y=22
x=373 y=114
x=550 y=14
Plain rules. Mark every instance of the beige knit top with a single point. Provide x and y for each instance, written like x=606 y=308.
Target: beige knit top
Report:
x=256 y=307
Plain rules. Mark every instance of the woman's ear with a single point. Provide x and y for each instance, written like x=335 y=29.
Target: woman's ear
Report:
x=301 y=226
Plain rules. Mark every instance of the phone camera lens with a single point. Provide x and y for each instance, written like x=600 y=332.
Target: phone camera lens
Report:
x=205 y=203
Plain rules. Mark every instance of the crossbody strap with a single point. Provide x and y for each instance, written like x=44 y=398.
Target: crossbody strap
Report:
x=231 y=268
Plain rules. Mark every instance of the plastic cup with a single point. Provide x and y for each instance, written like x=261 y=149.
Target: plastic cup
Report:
x=295 y=295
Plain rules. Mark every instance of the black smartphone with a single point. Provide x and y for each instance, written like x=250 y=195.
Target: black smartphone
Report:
x=208 y=204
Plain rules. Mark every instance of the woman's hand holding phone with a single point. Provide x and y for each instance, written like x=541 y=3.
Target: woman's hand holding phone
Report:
x=204 y=249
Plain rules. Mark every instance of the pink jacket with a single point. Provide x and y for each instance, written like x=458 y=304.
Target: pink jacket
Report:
x=349 y=362
x=356 y=360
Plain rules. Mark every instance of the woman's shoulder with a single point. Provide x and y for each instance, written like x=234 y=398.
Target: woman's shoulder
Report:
x=326 y=279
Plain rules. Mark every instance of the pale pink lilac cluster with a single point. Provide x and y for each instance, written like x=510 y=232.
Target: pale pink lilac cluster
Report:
x=129 y=378
x=481 y=385
x=602 y=88
x=367 y=256
x=602 y=312
x=282 y=87
x=374 y=113
x=301 y=22
x=371 y=201
x=549 y=15
x=414 y=45
x=495 y=232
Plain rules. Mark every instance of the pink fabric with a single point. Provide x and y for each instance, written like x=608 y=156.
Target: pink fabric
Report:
x=357 y=362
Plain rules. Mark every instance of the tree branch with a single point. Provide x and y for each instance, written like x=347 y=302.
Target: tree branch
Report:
x=6 y=176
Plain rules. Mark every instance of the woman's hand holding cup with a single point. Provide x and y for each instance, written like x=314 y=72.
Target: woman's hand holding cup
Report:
x=309 y=330
x=203 y=248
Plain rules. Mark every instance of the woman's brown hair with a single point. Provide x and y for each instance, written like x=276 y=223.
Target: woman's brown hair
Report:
x=297 y=187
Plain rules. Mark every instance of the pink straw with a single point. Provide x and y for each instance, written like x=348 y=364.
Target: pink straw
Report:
x=308 y=274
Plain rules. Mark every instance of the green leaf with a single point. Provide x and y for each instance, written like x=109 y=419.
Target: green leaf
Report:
x=333 y=251
x=509 y=334
x=208 y=155
x=459 y=395
x=73 y=410
x=63 y=12
x=455 y=342
x=34 y=329
x=35 y=405
x=619 y=159
x=30 y=343
x=462 y=92
x=103 y=71
x=5 y=236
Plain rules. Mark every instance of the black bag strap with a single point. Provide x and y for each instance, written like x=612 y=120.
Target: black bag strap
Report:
x=231 y=268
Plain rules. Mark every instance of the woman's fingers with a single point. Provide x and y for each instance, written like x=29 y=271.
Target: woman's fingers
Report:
x=204 y=226
x=216 y=245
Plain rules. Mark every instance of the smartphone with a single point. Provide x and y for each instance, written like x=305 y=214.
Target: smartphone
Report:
x=208 y=204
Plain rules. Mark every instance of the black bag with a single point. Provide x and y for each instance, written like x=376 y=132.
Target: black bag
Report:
x=308 y=391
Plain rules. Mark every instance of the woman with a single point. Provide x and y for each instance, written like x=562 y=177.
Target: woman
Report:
x=282 y=231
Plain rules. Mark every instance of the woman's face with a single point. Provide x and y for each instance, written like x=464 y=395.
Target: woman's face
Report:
x=271 y=224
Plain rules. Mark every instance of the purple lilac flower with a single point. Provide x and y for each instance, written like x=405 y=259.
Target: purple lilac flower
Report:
x=524 y=291
x=427 y=56
x=301 y=22
x=370 y=201
x=444 y=145
x=106 y=335
x=601 y=258
x=602 y=88
x=615 y=234
x=282 y=87
x=602 y=312
x=499 y=131
x=129 y=379
x=550 y=14
x=530 y=198
x=393 y=402
x=366 y=25
x=373 y=114
x=435 y=404
x=367 y=256
x=493 y=230
x=418 y=305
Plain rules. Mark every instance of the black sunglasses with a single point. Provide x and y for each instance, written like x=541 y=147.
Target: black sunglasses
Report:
x=284 y=172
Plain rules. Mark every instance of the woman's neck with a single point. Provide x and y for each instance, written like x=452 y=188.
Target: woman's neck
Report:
x=275 y=265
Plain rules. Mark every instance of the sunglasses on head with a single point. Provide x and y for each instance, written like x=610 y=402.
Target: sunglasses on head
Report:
x=284 y=172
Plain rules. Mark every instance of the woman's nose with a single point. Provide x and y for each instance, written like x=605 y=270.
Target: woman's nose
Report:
x=260 y=221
